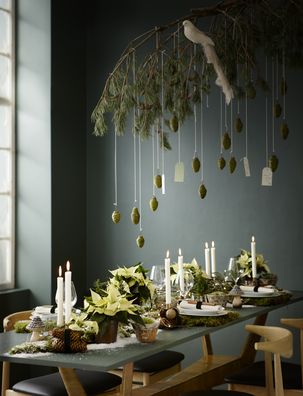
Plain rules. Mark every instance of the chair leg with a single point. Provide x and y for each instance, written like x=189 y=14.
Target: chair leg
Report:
x=5 y=377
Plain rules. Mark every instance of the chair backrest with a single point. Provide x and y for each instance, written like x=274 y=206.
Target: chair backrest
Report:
x=277 y=342
x=10 y=320
x=298 y=324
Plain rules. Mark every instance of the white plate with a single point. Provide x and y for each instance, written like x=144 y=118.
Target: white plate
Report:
x=201 y=312
x=248 y=294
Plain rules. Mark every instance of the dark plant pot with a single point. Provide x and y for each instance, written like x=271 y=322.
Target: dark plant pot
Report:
x=108 y=335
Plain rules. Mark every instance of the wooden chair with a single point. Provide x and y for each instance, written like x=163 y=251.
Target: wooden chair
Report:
x=94 y=382
x=277 y=342
x=252 y=379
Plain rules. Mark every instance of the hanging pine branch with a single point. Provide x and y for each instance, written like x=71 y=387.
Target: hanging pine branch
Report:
x=269 y=29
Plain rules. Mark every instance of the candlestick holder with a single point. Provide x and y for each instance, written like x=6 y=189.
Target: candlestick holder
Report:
x=169 y=317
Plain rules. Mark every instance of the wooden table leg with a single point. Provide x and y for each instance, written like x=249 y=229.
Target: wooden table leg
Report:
x=71 y=382
x=248 y=352
x=127 y=379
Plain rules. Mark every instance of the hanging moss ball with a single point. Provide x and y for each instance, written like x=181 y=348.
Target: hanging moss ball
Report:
x=232 y=164
x=277 y=110
x=226 y=142
x=273 y=163
x=153 y=203
x=135 y=215
x=174 y=123
x=202 y=191
x=196 y=164
x=158 y=181
x=116 y=216
x=140 y=241
x=284 y=130
x=238 y=125
x=221 y=163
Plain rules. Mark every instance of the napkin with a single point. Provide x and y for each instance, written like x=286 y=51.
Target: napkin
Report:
x=193 y=306
x=45 y=309
x=250 y=289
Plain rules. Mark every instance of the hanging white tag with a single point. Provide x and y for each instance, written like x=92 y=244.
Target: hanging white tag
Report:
x=266 y=176
x=179 y=172
x=246 y=167
x=163 y=184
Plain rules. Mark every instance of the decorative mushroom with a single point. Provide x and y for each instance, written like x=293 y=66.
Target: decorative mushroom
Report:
x=236 y=292
x=36 y=326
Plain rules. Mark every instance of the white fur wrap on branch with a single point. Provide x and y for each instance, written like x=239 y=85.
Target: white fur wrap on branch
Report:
x=198 y=37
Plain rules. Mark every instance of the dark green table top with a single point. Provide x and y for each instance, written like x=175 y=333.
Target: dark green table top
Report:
x=110 y=358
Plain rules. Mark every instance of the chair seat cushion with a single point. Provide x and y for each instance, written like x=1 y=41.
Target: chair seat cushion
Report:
x=93 y=382
x=158 y=362
x=255 y=375
x=215 y=392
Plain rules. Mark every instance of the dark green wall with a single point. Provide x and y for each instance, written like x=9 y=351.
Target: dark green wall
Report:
x=235 y=207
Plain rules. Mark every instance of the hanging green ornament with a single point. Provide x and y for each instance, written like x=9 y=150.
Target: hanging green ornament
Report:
x=202 y=191
x=284 y=130
x=226 y=142
x=116 y=216
x=140 y=241
x=174 y=123
x=283 y=87
x=238 y=125
x=232 y=164
x=153 y=203
x=196 y=164
x=135 y=215
x=221 y=163
x=158 y=181
x=251 y=90
x=277 y=109
x=273 y=163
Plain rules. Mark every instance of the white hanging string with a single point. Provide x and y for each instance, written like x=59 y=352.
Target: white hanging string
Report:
x=225 y=106
x=246 y=107
x=238 y=83
x=202 y=137
x=140 y=184
x=162 y=108
x=266 y=114
x=134 y=132
x=153 y=154
x=195 y=106
x=277 y=77
x=273 y=103
x=115 y=171
x=231 y=128
x=221 y=123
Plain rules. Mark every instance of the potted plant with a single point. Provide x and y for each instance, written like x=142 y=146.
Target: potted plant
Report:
x=134 y=283
x=264 y=275
x=108 y=309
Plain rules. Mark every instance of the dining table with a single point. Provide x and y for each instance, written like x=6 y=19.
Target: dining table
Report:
x=209 y=371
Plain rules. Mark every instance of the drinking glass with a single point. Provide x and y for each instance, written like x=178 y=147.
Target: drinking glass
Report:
x=73 y=294
x=188 y=282
x=157 y=275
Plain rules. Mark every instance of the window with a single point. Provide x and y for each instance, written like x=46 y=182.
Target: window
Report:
x=7 y=149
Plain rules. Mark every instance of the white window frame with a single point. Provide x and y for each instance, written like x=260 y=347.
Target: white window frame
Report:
x=8 y=282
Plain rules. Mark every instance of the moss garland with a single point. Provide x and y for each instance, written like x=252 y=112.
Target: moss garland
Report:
x=209 y=321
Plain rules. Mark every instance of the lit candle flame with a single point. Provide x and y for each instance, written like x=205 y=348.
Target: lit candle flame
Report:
x=206 y=245
x=253 y=239
x=213 y=244
x=180 y=253
x=60 y=270
x=67 y=266
x=167 y=254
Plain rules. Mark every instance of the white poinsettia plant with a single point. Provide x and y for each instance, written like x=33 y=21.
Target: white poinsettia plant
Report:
x=134 y=282
x=244 y=261
x=192 y=267
x=111 y=305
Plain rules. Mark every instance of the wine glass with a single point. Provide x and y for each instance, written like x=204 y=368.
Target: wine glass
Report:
x=73 y=295
x=157 y=276
x=185 y=282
